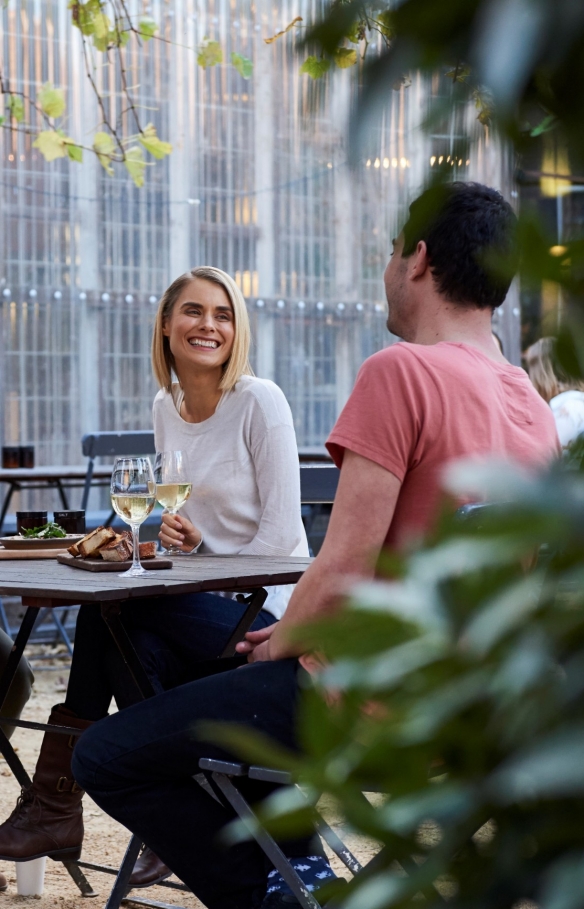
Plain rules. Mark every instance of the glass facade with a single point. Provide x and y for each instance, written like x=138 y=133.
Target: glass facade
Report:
x=258 y=184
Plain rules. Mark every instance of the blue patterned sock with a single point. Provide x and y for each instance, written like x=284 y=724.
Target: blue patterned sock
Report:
x=314 y=871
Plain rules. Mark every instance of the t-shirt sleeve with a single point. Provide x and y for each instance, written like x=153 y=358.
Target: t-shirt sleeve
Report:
x=381 y=420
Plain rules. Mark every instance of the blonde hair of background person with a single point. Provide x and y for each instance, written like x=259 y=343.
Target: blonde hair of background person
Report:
x=547 y=376
x=564 y=394
x=238 y=363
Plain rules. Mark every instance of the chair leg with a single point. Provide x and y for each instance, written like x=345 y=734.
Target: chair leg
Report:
x=80 y=879
x=121 y=886
x=265 y=841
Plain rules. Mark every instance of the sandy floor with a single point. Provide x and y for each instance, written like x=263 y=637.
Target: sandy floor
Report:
x=105 y=840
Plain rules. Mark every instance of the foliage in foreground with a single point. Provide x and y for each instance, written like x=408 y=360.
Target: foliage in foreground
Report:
x=460 y=695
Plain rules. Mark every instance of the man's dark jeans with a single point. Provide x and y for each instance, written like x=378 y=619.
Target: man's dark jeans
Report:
x=138 y=766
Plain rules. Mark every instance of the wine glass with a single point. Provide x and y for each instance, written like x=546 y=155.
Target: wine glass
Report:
x=173 y=486
x=133 y=496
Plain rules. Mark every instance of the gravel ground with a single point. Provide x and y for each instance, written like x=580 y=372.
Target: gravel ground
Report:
x=105 y=840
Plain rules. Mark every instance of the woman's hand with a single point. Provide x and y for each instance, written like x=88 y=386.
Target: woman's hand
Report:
x=178 y=531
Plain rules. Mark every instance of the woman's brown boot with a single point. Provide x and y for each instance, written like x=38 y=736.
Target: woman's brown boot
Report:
x=48 y=818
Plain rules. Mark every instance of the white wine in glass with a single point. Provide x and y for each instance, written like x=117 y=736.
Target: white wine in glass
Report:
x=173 y=484
x=133 y=496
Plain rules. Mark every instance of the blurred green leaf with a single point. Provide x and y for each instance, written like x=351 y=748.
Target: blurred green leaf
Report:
x=147 y=27
x=16 y=107
x=345 y=57
x=315 y=67
x=52 y=100
x=243 y=65
x=135 y=164
x=210 y=54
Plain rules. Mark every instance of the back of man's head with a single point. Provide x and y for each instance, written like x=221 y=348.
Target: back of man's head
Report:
x=470 y=235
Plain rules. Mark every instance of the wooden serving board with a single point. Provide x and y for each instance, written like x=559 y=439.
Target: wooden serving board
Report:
x=101 y=565
x=13 y=554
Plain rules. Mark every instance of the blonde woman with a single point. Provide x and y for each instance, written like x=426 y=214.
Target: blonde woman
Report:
x=564 y=394
x=239 y=435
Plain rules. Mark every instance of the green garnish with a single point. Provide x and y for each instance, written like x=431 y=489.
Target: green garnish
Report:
x=46 y=532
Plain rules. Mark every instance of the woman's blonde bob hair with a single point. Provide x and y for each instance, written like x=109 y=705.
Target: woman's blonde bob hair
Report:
x=238 y=363
x=546 y=374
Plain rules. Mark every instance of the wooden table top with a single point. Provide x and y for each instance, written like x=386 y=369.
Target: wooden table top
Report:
x=71 y=472
x=51 y=581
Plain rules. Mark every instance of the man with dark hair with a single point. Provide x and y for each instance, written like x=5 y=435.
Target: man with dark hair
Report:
x=445 y=392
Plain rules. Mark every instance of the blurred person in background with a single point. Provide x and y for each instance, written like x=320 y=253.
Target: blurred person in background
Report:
x=18 y=695
x=564 y=394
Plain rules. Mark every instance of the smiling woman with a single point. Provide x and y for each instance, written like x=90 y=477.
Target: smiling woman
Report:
x=237 y=433
x=200 y=292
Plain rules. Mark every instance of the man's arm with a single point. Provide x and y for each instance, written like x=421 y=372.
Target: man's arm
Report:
x=361 y=515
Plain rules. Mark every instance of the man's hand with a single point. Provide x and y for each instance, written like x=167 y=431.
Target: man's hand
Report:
x=257 y=644
x=178 y=531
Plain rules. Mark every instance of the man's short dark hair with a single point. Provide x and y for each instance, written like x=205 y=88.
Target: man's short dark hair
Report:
x=470 y=233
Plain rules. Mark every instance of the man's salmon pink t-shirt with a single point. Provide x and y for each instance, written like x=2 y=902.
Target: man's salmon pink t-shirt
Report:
x=415 y=408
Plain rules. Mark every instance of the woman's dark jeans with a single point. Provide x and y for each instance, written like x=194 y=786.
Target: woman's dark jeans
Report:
x=173 y=636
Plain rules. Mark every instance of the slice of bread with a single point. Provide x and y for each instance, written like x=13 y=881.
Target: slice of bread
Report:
x=93 y=542
x=117 y=550
x=73 y=550
x=148 y=550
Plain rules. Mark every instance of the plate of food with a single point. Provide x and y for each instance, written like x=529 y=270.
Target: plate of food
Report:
x=48 y=536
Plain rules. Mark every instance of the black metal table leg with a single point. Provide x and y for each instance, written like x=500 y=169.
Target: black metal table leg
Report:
x=110 y=613
x=254 y=606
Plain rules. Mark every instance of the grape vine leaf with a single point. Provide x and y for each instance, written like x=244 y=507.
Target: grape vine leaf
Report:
x=210 y=53
x=147 y=27
x=52 y=100
x=74 y=151
x=153 y=144
x=315 y=67
x=50 y=144
x=103 y=146
x=345 y=57
x=16 y=107
x=135 y=164
x=101 y=31
x=243 y=65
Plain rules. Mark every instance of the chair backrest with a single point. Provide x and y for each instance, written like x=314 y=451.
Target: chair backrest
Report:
x=118 y=444
x=318 y=483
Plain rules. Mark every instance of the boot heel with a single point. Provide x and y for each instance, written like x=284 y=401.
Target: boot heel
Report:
x=66 y=855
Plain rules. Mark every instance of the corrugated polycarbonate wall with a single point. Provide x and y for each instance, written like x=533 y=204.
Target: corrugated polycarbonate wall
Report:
x=258 y=184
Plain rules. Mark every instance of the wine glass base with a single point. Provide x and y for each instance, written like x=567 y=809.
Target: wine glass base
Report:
x=133 y=573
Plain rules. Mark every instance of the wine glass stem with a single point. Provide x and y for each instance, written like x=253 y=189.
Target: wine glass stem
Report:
x=136 y=544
